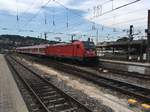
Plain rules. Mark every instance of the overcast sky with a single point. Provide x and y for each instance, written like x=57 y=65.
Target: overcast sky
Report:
x=79 y=16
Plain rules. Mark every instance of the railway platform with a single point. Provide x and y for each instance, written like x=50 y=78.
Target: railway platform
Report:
x=10 y=97
x=141 y=68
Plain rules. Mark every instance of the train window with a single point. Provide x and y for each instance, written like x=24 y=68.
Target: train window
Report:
x=89 y=45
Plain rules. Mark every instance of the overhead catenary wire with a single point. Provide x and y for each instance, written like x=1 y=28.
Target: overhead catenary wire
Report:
x=64 y=27
x=114 y=9
x=53 y=16
x=17 y=14
x=70 y=10
x=36 y=13
x=86 y=30
x=82 y=23
x=102 y=14
x=129 y=12
x=124 y=14
x=4 y=14
x=66 y=8
x=105 y=18
x=29 y=7
x=67 y=23
x=45 y=17
x=122 y=22
x=81 y=16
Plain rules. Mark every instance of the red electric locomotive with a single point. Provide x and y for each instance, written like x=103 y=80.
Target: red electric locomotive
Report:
x=77 y=50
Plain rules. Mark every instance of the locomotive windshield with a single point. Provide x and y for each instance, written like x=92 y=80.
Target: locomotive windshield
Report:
x=89 y=45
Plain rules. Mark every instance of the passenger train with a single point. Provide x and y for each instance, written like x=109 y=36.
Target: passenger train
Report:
x=76 y=50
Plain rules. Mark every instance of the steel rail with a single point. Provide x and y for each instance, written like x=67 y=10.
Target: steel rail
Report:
x=124 y=87
x=63 y=93
x=27 y=85
x=131 y=89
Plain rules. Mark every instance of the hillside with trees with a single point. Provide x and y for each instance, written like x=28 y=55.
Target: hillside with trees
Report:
x=13 y=41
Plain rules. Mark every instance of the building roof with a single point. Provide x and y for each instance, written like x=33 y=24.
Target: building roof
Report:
x=120 y=43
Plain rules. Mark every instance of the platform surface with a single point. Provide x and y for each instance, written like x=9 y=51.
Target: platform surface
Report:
x=127 y=62
x=10 y=97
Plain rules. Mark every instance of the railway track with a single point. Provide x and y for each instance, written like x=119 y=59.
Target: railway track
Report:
x=44 y=96
x=128 y=74
x=123 y=87
x=131 y=90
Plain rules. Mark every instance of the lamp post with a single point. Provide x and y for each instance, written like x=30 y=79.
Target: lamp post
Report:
x=130 y=40
x=148 y=37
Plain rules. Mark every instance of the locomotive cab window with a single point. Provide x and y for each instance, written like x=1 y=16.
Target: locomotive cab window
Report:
x=89 y=45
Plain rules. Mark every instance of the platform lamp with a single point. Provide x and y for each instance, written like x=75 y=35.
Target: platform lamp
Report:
x=130 y=39
x=148 y=37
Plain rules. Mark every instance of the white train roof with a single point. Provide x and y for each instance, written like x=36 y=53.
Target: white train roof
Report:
x=35 y=46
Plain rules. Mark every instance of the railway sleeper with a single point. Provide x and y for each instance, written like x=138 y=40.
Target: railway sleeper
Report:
x=40 y=85
x=56 y=102
x=40 y=90
x=51 y=101
x=47 y=93
x=43 y=87
x=51 y=97
x=36 y=109
x=70 y=109
x=34 y=106
x=44 y=92
x=59 y=107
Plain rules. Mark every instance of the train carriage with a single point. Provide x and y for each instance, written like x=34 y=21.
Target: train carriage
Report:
x=37 y=49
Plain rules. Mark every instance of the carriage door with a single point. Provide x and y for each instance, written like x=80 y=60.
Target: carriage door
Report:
x=74 y=51
x=77 y=50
